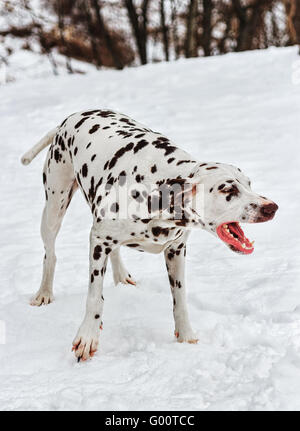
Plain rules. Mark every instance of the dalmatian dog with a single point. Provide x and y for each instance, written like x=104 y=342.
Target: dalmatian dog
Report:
x=140 y=189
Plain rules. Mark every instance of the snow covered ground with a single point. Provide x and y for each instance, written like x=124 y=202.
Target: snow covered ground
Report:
x=243 y=109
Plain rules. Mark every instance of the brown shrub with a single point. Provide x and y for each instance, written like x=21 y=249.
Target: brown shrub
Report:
x=77 y=45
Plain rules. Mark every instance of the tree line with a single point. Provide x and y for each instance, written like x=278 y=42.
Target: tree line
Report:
x=117 y=33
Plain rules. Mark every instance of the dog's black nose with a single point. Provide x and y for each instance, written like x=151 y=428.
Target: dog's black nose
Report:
x=269 y=210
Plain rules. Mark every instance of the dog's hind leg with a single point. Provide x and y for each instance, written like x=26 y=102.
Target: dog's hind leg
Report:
x=120 y=274
x=60 y=185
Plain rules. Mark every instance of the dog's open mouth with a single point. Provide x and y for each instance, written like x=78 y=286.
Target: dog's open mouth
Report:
x=232 y=234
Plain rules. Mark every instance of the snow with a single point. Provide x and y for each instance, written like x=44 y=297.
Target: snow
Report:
x=23 y=63
x=239 y=108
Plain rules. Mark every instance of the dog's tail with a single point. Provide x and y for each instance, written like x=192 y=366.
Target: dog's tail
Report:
x=43 y=143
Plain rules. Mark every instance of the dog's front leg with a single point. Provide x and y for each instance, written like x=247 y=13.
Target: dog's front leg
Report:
x=175 y=261
x=86 y=341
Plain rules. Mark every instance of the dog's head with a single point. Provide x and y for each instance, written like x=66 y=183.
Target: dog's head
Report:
x=229 y=201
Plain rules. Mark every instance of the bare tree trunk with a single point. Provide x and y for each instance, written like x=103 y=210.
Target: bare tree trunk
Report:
x=43 y=43
x=241 y=13
x=295 y=20
x=106 y=35
x=144 y=25
x=191 y=27
x=207 y=26
x=164 y=29
x=275 y=30
x=250 y=18
x=61 y=26
x=95 y=50
x=139 y=26
x=175 y=29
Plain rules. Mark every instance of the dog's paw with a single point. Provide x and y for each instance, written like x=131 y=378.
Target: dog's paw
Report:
x=85 y=344
x=42 y=298
x=124 y=278
x=186 y=336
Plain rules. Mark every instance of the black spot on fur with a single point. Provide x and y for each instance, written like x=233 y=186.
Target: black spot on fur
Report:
x=119 y=154
x=94 y=128
x=61 y=143
x=64 y=122
x=106 y=114
x=171 y=254
x=80 y=122
x=185 y=161
x=88 y=113
x=124 y=134
x=171 y=279
x=97 y=252
x=57 y=155
x=141 y=144
x=84 y=170
x=163 y=144
x=160 y=231
x=153 y=169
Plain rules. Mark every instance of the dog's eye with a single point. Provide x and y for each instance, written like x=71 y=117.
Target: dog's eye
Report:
x=230 y=192
x=231 y=189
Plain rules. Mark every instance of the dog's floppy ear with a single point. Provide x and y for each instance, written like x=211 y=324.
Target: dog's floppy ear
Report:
x=181 y=195
x=183 y=189
x=175 y=199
